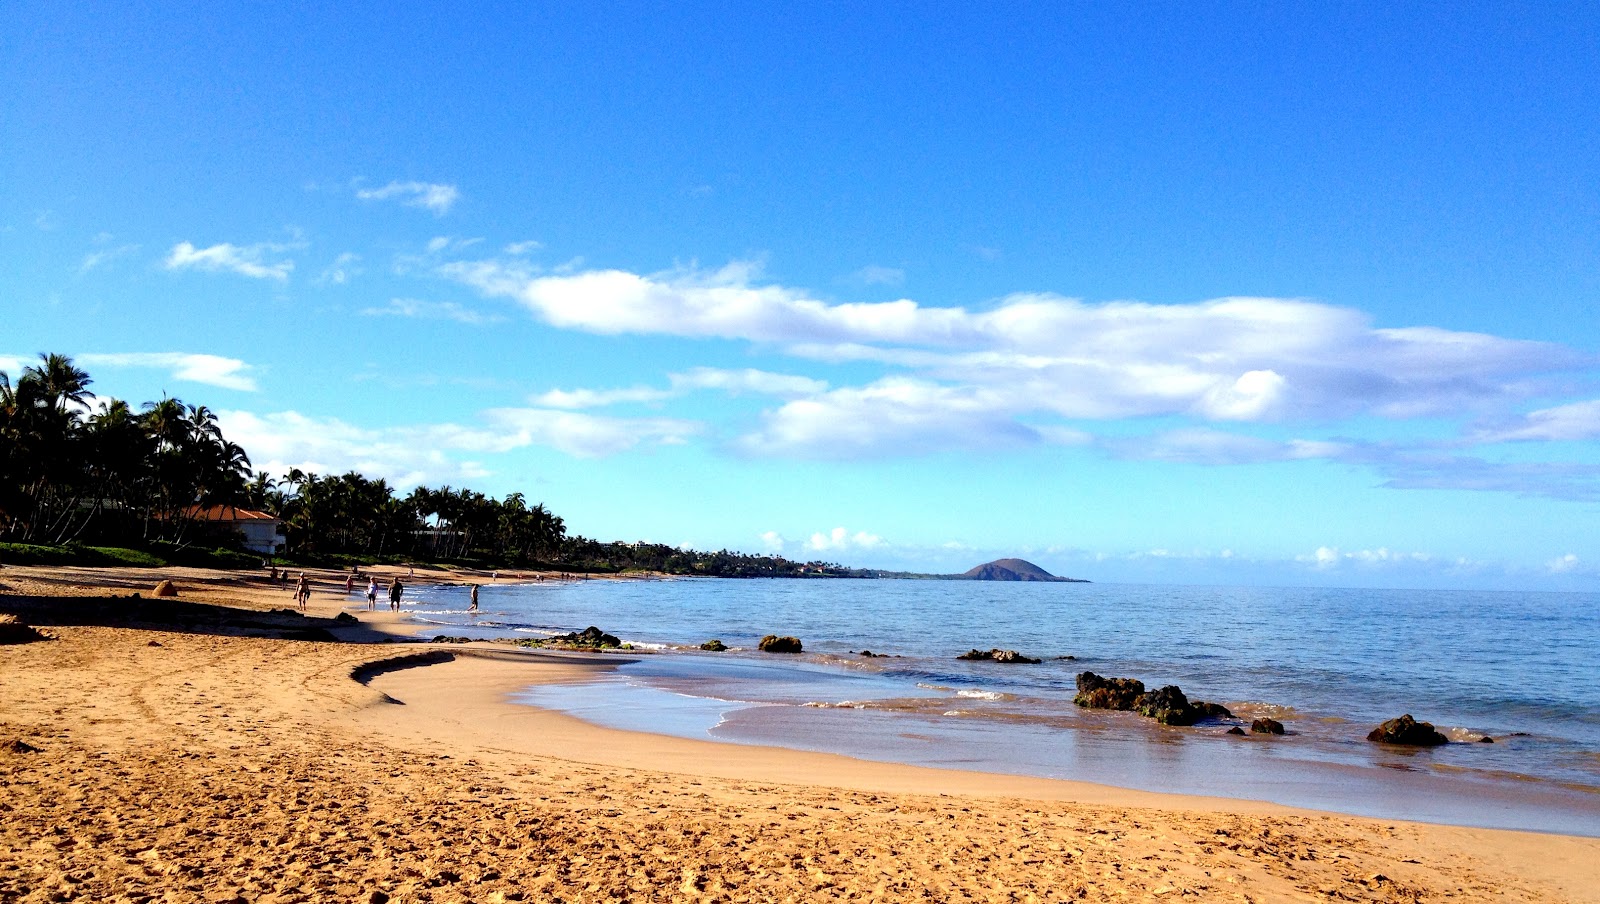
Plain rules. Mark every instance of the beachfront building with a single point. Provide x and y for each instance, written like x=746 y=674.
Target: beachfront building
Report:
x=260 y=531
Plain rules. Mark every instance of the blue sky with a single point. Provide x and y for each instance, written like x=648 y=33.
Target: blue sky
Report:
x=1267 y=296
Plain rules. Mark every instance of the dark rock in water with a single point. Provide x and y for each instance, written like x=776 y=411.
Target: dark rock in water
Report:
x=1170 y=706
x=1486 y=740
x=998 y=655
x=1408 y=731
x=446 y=638
x=1095 y=692
x=714 y=646
x=1066 y=658
x=1235 y=730
x=590 y=638
x=1266 y=726
x=1167 y=705
x=772 y=643
x=868 y=653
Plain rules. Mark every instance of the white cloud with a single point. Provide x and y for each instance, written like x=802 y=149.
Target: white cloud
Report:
x=1203 y=445
x=245 y=260
x=894 y=415
x=433 y=196
x=431 y=310
x=1564 y=423
x=876 y=275
x=11 y=366
x=517 y=249
x=343 y=269
x=409 y=455
x=211 y=370
x=841 y=540
x=772 y=541
x=1563 y=564
x=734 y=382
x=1245 y=359
x=1329 y=558
x=95 y=259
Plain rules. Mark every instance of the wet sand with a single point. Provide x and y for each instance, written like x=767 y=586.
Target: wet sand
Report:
x=159 y=755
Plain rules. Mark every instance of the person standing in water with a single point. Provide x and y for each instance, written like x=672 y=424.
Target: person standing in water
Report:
x=474 y=606
x=372 y=592
x=302 y=590
x=395 y=592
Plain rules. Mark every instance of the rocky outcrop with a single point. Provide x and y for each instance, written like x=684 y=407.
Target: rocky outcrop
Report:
x=1266 y=726
x=1170 y=706
x=1408 y=731
x=714 y=645
x=590 y=638
x=772 y=643
x=165 y=588
x=998 y=655
x=1013 y=570
x=1095 y=692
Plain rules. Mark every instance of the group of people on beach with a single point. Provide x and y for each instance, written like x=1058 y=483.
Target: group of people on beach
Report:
x=302 y=590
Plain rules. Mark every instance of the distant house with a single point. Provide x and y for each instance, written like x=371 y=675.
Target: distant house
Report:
x=227 y=523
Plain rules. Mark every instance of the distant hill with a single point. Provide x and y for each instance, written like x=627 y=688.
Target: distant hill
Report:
x=1013 y=570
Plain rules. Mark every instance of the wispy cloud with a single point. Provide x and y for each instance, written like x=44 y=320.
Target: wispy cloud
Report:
x=409 y=455
x=431 y=310
x=255 y=261
x=96 y=259
x=211 y=370
x=344 y=268
x=733 y=382
x=878 y=275
x=434 y=196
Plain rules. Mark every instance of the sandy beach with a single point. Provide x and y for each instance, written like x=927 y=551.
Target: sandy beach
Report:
x=213 y=749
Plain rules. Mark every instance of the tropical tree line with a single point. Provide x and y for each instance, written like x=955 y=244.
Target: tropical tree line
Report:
x=76 y=469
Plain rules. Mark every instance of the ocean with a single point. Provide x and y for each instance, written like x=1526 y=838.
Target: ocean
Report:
x=1330 y=664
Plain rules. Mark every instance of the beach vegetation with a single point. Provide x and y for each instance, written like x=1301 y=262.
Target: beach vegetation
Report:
x=76 y=470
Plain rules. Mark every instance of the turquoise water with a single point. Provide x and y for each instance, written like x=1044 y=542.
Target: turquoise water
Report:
x=1330 y=664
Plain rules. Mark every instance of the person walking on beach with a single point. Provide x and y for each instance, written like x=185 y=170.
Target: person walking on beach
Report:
x=395 y=592
x=474 y=606
x=349 y=582
x=372 y=592
x=302 y=590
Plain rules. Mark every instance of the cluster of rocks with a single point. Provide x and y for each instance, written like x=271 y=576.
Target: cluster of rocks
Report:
x=590 y=638
x=999 y=656
x=1167 y=705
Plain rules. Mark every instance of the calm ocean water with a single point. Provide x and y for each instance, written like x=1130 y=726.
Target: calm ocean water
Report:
x=1521 y=668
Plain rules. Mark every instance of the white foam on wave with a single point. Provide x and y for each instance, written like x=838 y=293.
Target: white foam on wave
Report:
x=983 y=695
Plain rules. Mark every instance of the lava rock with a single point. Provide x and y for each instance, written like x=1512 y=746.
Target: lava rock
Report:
x=772 y=643
x=1235 y=730
x=165 y=588
x=998 y=655
x=591 y=638
x=1408 y=731
x=1266 y=726
x=1095 y=692
x=714 y=646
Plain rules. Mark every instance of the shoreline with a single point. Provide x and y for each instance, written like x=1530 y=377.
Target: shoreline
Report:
x=216 y=710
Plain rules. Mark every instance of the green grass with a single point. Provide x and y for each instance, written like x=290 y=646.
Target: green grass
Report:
x=161 y=554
